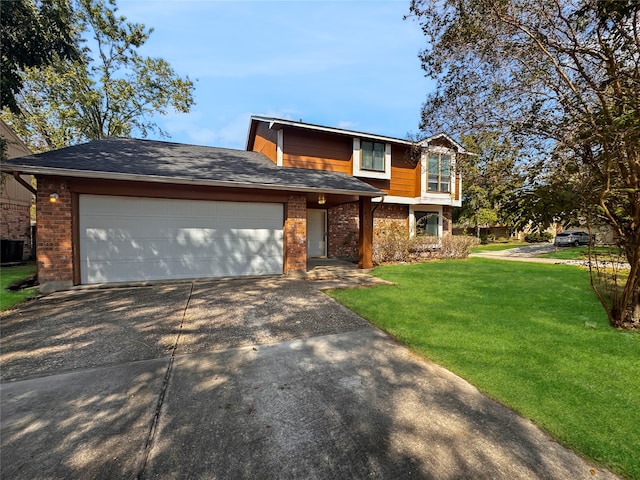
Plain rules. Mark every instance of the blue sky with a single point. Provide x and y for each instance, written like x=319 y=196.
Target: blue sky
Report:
x=343 y=63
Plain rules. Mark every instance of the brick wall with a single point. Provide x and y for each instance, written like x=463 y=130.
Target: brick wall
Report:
x=342 y=231
x=54 y=232
x=295 y=234
x=343 y=225
x=16 y=225
x=388 y=214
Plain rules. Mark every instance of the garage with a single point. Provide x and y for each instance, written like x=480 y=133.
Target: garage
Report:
x=125 y=239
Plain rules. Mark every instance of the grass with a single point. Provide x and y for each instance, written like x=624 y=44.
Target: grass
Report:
x=495 y=247
x=8 y=275
x=532 y=336
x=579 y=253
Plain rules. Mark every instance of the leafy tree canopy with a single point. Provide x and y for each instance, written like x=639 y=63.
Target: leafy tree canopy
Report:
x=32 y=33
x=108 y=90
x=559 y=79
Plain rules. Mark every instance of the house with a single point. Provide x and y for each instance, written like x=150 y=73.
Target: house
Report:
x=420 y=181
x=15 y=204
x=122 y=210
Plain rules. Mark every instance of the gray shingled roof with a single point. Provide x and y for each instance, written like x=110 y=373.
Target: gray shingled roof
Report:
x=149 y=160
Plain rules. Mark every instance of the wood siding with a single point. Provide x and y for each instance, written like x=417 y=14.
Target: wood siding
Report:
x=318 y=151
x=266 y=141
x=405 y=182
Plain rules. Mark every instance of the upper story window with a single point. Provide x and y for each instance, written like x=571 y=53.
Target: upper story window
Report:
x=439 y=172
x=372 y=156
x=371 y=159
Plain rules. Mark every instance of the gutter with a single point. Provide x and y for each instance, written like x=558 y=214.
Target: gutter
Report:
x=25 y=184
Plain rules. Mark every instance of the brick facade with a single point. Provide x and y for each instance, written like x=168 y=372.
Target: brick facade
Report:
x=391 y=214
x=295 y=234
x=342 y=231
x=16 y=225
x=54 y=239
x=343 y=225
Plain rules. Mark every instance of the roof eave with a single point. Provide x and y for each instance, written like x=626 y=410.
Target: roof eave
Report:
x=61 y=172
x=277 y=123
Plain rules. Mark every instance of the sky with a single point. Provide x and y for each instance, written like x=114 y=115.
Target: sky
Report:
x=349 y=64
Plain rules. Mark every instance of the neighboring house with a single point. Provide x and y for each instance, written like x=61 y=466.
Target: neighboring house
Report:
x=420 y=180
x=121 y=210
x=15 y=204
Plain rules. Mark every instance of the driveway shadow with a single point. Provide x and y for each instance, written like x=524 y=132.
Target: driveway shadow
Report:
x=244 y=378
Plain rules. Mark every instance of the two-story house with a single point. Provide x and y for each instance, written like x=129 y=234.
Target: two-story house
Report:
x=123 y=210
x=419 y=179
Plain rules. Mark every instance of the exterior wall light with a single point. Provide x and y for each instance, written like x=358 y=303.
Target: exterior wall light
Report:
x=321 y=199
x=53 y=198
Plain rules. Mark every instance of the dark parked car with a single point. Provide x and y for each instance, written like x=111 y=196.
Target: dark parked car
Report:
x=572 y=239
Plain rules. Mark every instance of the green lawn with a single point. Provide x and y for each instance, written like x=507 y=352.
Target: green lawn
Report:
x=8 y=275
x=533 y=336
x=578 y=253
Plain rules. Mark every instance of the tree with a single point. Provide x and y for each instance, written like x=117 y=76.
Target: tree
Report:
x=490 y=178
x=111 y=90
x=560 y=79
x=36 y=32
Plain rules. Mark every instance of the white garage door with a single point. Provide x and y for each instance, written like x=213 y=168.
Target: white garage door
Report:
x=128 y=239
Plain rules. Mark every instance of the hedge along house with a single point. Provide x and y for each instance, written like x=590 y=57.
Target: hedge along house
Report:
x=420 y=180
x=122 y=210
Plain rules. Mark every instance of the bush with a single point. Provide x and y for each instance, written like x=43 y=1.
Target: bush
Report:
x=457 y=246
x=391 y=243
x=543 y=237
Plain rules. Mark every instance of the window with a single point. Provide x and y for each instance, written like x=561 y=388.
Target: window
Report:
x=427 y=223
x=373 y=156
x=371 y=159
x=439 y=172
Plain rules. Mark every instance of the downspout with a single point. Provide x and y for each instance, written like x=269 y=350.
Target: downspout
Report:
x=22 y=182
x=373 y=212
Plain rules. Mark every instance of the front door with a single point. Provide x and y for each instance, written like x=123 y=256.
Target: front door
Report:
x=316 y=233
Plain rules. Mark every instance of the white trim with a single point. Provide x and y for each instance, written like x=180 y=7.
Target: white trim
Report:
x=424 y=174
x=425 y=142
x=275 y=122
x=357 y=171
x=279 y=148
x=429 y=199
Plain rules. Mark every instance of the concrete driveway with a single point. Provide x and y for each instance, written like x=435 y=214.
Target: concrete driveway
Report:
x=246 y=378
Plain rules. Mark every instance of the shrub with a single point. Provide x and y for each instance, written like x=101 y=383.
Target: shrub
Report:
x=457 y=246
x=538 y=237
x=391 y=243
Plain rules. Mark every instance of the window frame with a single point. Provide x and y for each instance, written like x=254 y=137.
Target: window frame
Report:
x=427 y=180
x=419 y=215
x=381 y=150
x=359 y=171
x=416 y=210
x=440 y=180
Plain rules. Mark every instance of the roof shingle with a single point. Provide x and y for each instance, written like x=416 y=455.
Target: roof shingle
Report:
x=150 y=160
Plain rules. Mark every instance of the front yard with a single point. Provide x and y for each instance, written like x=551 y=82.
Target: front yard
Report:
x=532 y=336
x=8 y=275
